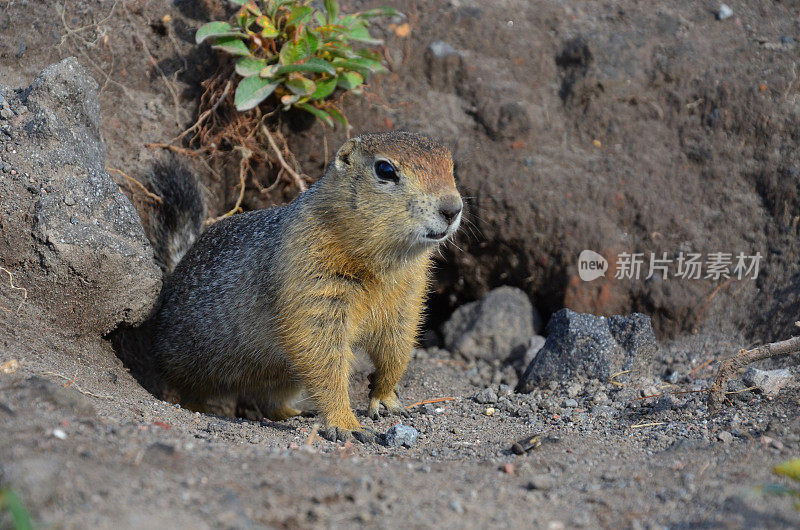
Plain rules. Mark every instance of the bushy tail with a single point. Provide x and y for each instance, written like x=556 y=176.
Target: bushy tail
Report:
x=181 y=215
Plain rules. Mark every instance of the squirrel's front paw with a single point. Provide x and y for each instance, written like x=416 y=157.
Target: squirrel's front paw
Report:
x=339 y=434
x=391 y=403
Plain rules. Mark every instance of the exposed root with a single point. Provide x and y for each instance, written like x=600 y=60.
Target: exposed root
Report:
x=15 y=288
x=244 y=165
x=298 y=180
x=149 y=194
x=220 y=131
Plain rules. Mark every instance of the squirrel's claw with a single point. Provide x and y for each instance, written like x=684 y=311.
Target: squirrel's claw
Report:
x=338 y=434
x=391 y=404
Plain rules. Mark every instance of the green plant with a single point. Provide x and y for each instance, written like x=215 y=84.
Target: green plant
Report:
x=9 y=502
x=300 y=53
x=790 y=469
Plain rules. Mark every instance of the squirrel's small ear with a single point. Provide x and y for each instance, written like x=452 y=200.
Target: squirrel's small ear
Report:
x=343 y=156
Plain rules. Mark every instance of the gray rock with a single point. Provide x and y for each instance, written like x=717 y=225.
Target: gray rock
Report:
x=487 y=395
x=570 y=403
x=6 y=113
x=505 y=391
x=604 y=411
x=768 y=381
x=590 y=346
x=493 y=328
x=534 y=345
x=400 y=435
x=96 y=264
x=725 y=437
x=441 y=49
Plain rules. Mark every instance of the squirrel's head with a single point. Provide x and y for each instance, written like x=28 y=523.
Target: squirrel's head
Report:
x=399 y=189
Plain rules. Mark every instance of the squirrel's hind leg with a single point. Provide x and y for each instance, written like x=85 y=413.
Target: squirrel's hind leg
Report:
x=276 y=403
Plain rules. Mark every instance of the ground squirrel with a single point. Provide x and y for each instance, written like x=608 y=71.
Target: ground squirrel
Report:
x=271 y=302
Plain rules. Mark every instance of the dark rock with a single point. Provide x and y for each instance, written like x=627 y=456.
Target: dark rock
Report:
x=400 y=435
x=493 y=328
x=585 y=345
x=96 y=264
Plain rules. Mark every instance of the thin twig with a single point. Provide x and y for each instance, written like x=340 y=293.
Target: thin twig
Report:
x=652 y=424
x=428 y=401
x=695 y=369
x=617 y=383
x=298 y=180
x=71 y=382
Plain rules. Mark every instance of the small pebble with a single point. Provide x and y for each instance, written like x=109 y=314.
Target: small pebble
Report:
x=725 y=437
x=58 y=433
x=489 y=411
x=724 y=12
x=487 y=395
x=401 y=435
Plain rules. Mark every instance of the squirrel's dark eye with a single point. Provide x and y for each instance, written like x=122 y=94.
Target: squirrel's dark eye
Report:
x=386 y=171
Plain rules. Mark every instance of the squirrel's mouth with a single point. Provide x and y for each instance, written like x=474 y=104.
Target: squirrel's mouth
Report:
x=436 y=236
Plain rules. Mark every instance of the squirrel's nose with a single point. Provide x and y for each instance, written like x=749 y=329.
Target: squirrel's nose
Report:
x=450 y=207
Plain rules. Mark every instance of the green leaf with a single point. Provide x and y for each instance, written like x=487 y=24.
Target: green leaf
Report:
x=238 y=2
x=325 y=88
x=790 y=468
x=252 y=91
x=313 y=42
x=379 y=12
x=360 y=33
x=300 y=85
x=253 y=8
x=19 y=514
x=349 y=80
x=299 y=15
x=268 y=30
x=372 y=55
x=215 y=29
x=292 y=52
x=269 y=71
x=332 y=9
x=323 y=116
x=313 y=64
x=338 y=116
x=365 y=67
x=232 y=45
x=247 y=66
